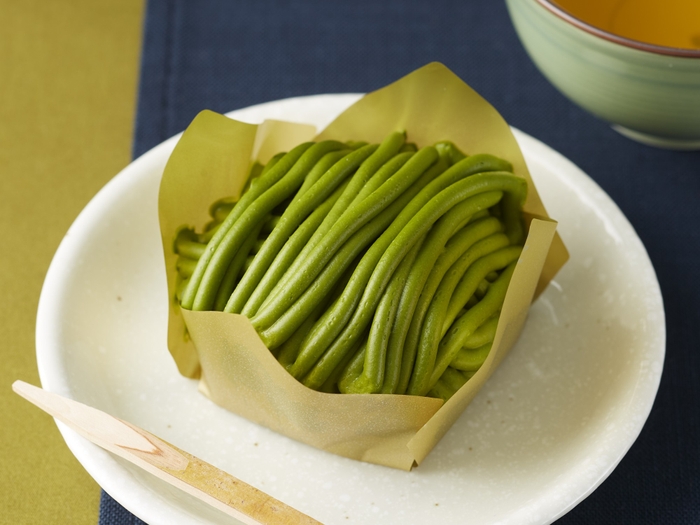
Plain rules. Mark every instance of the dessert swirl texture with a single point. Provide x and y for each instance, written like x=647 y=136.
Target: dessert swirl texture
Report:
x=364 y=268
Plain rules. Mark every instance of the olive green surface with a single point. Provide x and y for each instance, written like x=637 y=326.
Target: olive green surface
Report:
x=68 y=80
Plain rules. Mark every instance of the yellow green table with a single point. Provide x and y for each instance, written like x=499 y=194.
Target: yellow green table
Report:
x=68 y=81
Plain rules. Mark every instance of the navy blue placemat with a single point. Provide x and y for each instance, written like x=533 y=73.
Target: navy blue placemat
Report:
x=225 y=55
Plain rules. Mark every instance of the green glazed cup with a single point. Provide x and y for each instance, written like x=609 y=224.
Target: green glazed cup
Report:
x=649 y=93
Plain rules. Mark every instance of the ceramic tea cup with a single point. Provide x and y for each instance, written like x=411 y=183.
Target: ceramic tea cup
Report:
x=648 y=92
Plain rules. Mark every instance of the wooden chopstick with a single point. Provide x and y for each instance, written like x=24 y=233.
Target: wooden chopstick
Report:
x=167 y=462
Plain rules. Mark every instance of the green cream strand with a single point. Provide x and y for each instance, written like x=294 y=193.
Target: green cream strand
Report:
x=289 y=253
x=474 y=276
x=418 y=225
x=406 y=332
x=296 y=212
x=337 y=317
x=294 y=315
x=363 y=177
x=422 y=268
x=355 y=218
x=262 y=183
x=255 y=212
x=430 y=331
x=468 y=323
x=371 y=379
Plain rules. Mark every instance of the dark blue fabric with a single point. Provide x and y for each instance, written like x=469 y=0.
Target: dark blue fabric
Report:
x=225 y=55
x=112 y=513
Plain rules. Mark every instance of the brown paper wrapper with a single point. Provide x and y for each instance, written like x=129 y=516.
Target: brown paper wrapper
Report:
x=237 y=371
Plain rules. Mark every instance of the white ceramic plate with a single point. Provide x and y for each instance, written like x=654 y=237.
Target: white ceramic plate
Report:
x=548 y=428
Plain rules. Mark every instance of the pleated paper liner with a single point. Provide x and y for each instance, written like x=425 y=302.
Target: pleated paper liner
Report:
x=237 y=371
